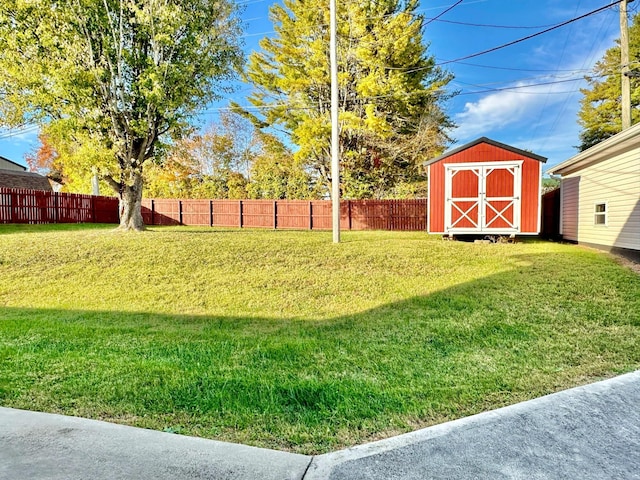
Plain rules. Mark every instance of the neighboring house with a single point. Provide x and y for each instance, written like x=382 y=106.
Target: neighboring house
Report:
x=600 y=194
x=6 y=164
x=485 y=188
x=22 y=179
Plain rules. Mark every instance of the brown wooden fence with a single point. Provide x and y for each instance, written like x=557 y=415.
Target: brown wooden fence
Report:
x=550 y=224
x=288 y=214
x=36 y=206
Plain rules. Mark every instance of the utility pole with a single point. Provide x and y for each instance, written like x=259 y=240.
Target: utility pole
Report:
x=335 y=146
x=625 y=99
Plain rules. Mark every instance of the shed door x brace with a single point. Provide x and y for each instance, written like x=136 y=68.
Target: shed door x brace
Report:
x=483 y=197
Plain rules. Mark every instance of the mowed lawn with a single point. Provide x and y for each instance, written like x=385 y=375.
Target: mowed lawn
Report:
x=285 y=340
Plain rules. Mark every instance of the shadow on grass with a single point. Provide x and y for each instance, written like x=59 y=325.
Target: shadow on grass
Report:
x=314 y=386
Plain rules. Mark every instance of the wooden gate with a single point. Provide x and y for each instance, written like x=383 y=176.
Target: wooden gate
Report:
x=483 y=197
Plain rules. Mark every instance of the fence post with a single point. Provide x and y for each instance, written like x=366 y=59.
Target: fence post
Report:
x=180 y=212
x=349 y=212
x=390 y=212
x=211 y=213
x=240 y=220
x=93 y=209
x=310 y=215
x=56 y=203
x=13 y=207
x=426 y=215
x=275 y=214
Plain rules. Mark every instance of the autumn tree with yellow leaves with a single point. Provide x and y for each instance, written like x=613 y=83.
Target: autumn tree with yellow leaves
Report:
x=391 y=92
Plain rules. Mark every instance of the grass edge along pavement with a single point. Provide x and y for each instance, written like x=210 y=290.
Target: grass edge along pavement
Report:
x=284 y=340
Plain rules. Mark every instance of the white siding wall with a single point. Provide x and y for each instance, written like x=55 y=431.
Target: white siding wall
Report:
x=616 y=182
x=569 y=206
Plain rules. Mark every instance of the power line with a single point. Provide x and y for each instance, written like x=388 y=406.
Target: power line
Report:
x=518 y=87
x=528 y=37
x=488 y=25
x=445 y=11
x=521 y=69
x=20 y=131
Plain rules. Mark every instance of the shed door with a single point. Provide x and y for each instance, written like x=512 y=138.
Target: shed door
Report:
x=483 y=197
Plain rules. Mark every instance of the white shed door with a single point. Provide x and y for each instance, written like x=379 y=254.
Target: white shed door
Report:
x=483 y=197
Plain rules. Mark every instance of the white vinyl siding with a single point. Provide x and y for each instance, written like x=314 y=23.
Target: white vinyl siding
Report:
x=614 y=182
x=569 y=206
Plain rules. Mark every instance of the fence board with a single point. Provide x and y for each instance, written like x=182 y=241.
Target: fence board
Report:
x=258 y=214
x=294 y=214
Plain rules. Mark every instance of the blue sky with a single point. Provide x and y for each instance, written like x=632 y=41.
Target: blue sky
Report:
x=539 y=114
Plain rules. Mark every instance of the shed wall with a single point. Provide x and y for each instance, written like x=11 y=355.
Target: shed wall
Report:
x=616 y=182
x=531 y=173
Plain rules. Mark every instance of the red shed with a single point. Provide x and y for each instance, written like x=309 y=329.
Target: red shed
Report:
x=485 y=187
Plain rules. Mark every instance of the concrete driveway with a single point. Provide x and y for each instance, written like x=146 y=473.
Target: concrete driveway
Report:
x=590 y=432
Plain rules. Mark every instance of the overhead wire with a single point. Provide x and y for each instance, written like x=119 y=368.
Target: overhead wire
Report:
x=19 y=131
x=444 y=12
x=528 y=37
x=561 y=58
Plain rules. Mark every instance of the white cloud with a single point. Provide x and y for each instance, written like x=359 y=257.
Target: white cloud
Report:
x=502 y=109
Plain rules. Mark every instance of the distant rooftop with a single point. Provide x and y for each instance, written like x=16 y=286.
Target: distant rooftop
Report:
x=26 y=180
x=6 y=164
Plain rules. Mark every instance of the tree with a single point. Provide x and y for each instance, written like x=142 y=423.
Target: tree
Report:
x=211 y=164
x=600 y=114
x=44 y=159
x=70 y=158
x=276 y=174
x=390 y=90
x=123 y=74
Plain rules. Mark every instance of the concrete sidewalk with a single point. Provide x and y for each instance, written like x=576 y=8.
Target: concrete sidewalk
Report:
x=38 y=446
x=590 y=432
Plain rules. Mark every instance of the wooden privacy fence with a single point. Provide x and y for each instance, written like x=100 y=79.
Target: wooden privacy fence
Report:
x=550 y=224
x=288 y=214
x=37 y=206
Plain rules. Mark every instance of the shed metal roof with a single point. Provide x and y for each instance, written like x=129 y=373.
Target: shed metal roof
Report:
x=488 y=141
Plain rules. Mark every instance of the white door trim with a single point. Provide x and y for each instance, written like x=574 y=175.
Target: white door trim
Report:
x=482 y=202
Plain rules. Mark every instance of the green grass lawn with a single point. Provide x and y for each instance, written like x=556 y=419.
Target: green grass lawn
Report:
x=285 y=340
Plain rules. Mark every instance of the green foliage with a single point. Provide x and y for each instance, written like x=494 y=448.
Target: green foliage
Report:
x=230 y=159
x=285 y=340
x=212 y=164
x=390 y=91
x=549 y=184
x=120 y=74
x=277 y=174
x=80 y=157
x=600 y=114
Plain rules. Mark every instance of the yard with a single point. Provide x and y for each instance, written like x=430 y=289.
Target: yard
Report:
x=284 y=340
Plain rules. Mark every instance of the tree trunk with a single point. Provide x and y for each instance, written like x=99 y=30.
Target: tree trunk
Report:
x=130 y=207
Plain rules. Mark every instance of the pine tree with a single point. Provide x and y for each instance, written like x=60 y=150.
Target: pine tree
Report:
x=600 y=113
x=390 y=91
